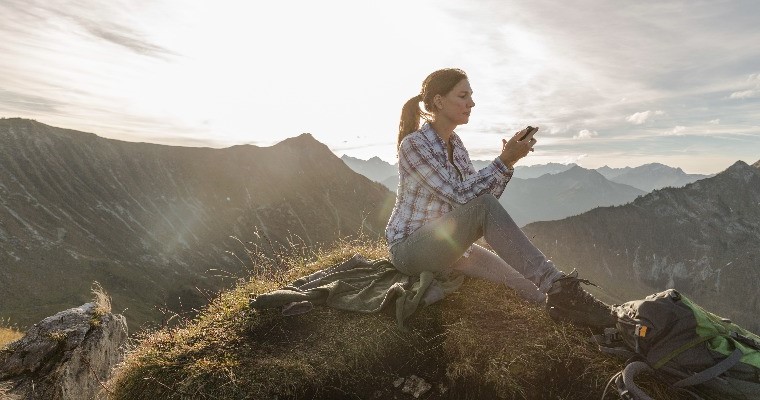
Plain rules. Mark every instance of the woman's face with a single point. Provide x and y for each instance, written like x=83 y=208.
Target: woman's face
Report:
x=456 y=105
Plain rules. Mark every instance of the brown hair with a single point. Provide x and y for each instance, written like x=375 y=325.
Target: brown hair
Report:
x=439 y=82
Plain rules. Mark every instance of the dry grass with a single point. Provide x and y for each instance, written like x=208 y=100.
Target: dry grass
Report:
x=480 y=343
x=101 y=298
x=5 y=388
x=8 y=333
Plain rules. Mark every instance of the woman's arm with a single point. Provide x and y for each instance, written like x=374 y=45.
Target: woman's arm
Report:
x=418 y=160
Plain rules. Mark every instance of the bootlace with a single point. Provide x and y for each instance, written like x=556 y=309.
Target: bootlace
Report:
x=583 y=295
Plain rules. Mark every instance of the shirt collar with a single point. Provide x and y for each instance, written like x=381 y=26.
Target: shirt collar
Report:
x=430 y=133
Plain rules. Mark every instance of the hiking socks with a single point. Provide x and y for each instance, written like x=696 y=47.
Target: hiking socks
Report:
x=547 y=280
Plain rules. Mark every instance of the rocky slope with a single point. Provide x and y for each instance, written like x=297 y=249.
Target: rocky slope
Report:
x=702 y=239
x=151 y=222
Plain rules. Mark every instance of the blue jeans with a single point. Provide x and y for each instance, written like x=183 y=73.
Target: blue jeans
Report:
x=438 y=246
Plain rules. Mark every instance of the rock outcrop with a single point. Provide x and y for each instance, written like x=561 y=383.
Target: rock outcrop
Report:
x=65 y=356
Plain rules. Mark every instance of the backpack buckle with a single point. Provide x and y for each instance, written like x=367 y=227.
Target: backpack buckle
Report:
x=612 y=335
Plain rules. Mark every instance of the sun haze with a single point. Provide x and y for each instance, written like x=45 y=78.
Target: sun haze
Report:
x=621 y=84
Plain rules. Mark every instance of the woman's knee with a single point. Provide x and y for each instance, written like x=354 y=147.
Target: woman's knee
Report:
x=493 y=209
x=488 y=199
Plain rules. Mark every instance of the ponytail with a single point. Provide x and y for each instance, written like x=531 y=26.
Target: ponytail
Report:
x=410 y=118
x=439 y=82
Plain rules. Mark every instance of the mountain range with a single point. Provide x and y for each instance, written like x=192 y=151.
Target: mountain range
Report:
x=160 y=227
x=650 y=177
x=554 y=191
x=645 y=177
x=567 y=193
x=702 y=239
x=154 y=224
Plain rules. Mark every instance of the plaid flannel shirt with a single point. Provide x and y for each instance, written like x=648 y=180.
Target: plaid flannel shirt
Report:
x=430 y=186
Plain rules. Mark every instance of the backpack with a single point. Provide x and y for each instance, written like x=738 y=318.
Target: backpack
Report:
x=692 y=350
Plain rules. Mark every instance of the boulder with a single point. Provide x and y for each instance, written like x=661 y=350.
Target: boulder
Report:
x=66 y=356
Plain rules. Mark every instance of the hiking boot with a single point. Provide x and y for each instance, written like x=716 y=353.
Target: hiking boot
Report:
x=568 y=301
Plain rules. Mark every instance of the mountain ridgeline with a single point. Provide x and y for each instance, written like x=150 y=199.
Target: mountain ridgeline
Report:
x=650 y=177
x=556 y=196
x=152 y=223
x=702 y=239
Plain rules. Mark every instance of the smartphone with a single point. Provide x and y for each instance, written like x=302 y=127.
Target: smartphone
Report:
x=528 y=131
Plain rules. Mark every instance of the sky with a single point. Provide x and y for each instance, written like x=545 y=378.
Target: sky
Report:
x=617 y=83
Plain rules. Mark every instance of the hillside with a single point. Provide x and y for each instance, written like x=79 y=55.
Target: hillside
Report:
x=153 y=223
x=482 y=342
x=560 y=195
x=702 y=239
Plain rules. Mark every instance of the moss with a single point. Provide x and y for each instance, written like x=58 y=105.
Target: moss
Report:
x=57 y=336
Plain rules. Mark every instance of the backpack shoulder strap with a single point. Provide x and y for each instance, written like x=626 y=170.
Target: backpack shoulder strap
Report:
x=686 y=346
x=627 y=388
x=712 y=372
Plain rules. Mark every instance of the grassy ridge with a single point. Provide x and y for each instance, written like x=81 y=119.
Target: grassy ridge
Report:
x=480 y=343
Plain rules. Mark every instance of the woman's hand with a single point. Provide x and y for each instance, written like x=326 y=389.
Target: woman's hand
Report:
x=515 y=149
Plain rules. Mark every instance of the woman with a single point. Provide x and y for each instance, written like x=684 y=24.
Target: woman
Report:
x=443 y=206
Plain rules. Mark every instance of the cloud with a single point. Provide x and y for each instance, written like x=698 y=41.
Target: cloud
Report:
x=678 y=131
x=125 y=37
x=745 y=94
x=17 y=103
x=715 y=121
x=98 y=21
x=585 y=134
x=641 y=117
x=749 y=93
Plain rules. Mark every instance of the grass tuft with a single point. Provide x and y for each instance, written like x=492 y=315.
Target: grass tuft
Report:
x=481 y=342
x=101 y=298
x=102 y=304
x=8 y=333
